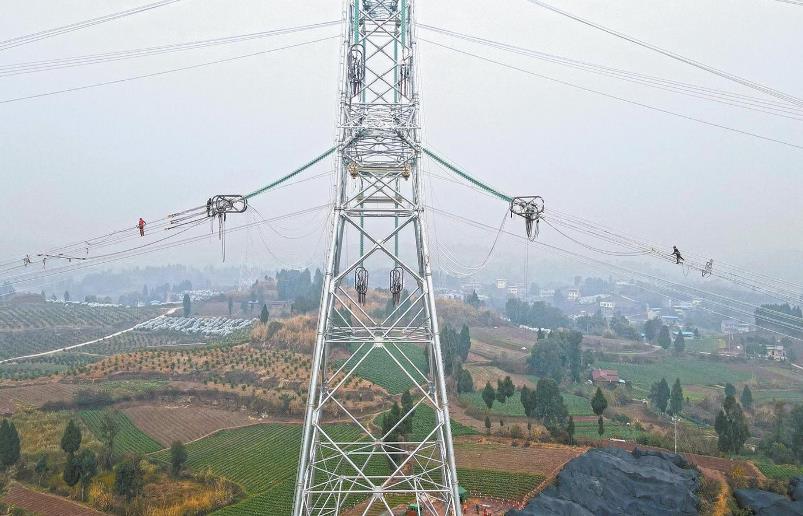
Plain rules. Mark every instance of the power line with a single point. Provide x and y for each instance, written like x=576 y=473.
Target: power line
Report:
x=615 y=97
x=770 y=107
x=49 y=33
x=702 y=66
x=89 y=59
x=164 y=72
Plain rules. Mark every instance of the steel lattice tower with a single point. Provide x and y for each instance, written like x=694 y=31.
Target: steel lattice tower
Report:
x=378 y=200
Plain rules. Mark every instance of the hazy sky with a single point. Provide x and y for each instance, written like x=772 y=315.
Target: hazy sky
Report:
x=79 y=164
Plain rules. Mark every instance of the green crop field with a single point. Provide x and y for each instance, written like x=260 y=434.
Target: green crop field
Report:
x=690 y=370
x=498 y=484
x=263 y=459
x=424 y=422
x=613 y=429
x=779 y=471
x=380 y=369
x=577 y=405
x=791 y=395
x=130 y=439
x=707 y=344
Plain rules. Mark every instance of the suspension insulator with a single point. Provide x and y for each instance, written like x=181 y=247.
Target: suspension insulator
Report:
x=220 y=205
x=361 y=283
x=531 y=209
x=406 y=170
x=353 y=169
x=396 y=284
x=356 y=67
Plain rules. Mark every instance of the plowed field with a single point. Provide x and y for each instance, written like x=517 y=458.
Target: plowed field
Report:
x=167 y=423
x=42 y=503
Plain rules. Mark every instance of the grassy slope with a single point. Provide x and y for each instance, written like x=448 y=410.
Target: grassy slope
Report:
x=690 y=370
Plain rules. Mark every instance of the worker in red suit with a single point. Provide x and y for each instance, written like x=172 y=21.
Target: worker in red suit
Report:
x=141 y=226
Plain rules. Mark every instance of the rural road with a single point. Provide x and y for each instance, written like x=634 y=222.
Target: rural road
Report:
x=75 y=346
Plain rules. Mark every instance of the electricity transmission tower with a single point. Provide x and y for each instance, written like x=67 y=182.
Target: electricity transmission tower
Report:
x=346 y=458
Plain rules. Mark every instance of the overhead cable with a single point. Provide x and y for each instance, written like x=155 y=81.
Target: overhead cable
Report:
x=615 y=97
x=70 y=62
x=164 y=72
x=702 y=66
x=49 y=33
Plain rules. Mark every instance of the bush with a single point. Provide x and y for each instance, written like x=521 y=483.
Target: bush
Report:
x=516 y=432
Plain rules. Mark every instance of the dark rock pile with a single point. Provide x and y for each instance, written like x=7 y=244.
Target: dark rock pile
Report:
x=612 y=481
x=766 y=503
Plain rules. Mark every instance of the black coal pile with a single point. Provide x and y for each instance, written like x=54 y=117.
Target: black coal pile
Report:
x=766 y=503
x=612 y=481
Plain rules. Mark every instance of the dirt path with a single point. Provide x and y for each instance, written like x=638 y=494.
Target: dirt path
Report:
x=44 y=503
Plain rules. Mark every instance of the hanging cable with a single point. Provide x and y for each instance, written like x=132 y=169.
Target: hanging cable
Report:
x=673 y=55
x=49 y=33
x=615 y=97
x=104 y=57
x=164 y=72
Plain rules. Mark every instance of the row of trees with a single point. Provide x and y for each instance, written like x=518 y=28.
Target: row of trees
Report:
x=301 y=287
x=536 y=315
x=544 y=403
x=656 y=331
x=666 y=400
x=559 y=355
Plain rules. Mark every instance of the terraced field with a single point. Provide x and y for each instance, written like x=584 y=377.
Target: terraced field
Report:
x=376 y=368
x=183 y=423
x=41 y=503
x=130 y=439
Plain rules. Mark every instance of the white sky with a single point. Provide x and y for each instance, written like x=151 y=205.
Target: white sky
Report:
x=80 y=164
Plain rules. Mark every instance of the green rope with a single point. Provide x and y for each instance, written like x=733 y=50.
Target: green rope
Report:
x=291 y=174
x=467 y=177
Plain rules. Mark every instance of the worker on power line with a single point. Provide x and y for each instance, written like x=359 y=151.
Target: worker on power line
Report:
x=27 y=260
x=141 y=226
x=676 y=254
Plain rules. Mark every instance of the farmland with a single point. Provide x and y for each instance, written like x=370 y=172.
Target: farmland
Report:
x=136 y=340
x=577 y=405
x=34 y=328
x=58 y=363
x=498 y=484
x=263 y=459
x=183 y=423
x=130 y=439
x=375 y=368
x=42 y=503
x=690 y=370
x=537 y=459
x=36 y=395
x=58 y=315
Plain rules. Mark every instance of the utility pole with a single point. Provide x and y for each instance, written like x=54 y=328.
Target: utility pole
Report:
x=378 y=201
x=675 y=421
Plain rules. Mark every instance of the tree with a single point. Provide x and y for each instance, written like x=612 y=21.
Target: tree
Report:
x=231 y=306
x=528 y=402
x=128 y=478
x=178 y=457
x=797 y=434
x=465 y=382
x=264 y=314
x=71 y=440
x=680 y=343
x=570 y=429
x=9 y=444
x=472 y=299
x=464 y=343
x=488 y=425
x=187 y=304
x=659 y=394
x=731 y=426
x=664 y=340
x=574 y=356
x=676 y=398
x=747 y=398
x=407 y=414
x=505 y=389
x=730 y=390
x=66 y=296
x=72 y=471
x=600 y=426
x=88 y=464
x=488 y=395
x=651 y=328
x=549 y=405
x=41 y=468
x=545 y=358
x=109 y=428
x=598 y=402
